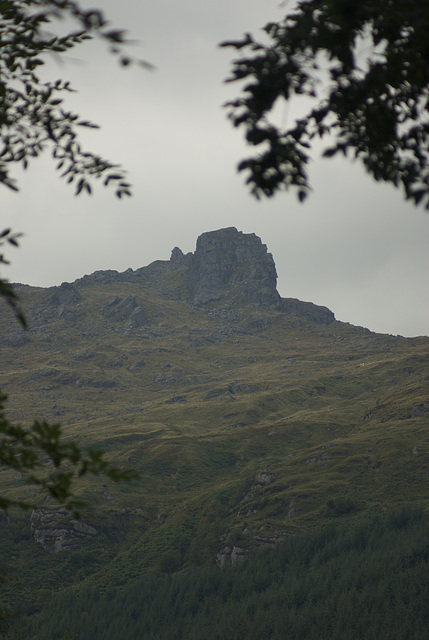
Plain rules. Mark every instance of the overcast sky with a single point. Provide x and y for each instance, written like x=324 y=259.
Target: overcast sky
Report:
x=354 y=246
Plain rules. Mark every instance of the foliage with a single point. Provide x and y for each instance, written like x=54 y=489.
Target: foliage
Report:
x=33 y=116
x=6 y=290
x=42 y=455
x=363 y=69
x=366 y=578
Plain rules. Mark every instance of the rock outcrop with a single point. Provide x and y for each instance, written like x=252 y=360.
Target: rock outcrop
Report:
x=126 y=311
x=233 y=265
x=64 y=295
x=56 y=530
x=307 y=311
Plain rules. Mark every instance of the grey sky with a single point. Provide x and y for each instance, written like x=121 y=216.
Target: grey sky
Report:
x=355 y=246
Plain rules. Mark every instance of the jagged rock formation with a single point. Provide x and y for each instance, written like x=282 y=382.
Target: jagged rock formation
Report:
x=228 y=263
x=232 y=268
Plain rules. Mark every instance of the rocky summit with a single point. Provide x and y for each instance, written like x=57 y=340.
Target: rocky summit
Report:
x=228 y=271
x=228 y=267
x=232 y=264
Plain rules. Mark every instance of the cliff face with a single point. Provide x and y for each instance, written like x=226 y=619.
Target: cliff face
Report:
x=233 y=265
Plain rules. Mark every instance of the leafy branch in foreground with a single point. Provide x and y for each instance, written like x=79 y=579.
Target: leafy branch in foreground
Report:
x=7 y=292
x=33 y=116
x=363 y=68
x=48 y=462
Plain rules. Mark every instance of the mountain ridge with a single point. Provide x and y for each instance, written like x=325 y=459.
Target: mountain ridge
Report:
x=249 y=422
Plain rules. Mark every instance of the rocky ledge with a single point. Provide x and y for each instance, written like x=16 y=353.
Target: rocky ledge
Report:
x=56 y=530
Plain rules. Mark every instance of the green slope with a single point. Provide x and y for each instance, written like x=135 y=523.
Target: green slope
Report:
x=248 y=426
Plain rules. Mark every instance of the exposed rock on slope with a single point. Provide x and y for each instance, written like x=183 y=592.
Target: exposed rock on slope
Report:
x=56 y=530
x=65 y=295
x=126 y=311
x=307 y=310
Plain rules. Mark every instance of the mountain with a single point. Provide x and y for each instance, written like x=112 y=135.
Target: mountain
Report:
x=253 y=420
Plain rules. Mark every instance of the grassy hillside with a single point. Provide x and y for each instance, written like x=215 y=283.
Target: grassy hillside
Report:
x=249 y=427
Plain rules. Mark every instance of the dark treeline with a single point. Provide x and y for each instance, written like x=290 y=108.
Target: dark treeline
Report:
x=362 y=579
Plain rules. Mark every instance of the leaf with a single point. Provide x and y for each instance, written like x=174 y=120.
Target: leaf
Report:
x=115 y=35
x=329 y=153
x=10 y=184
x=418 y=195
